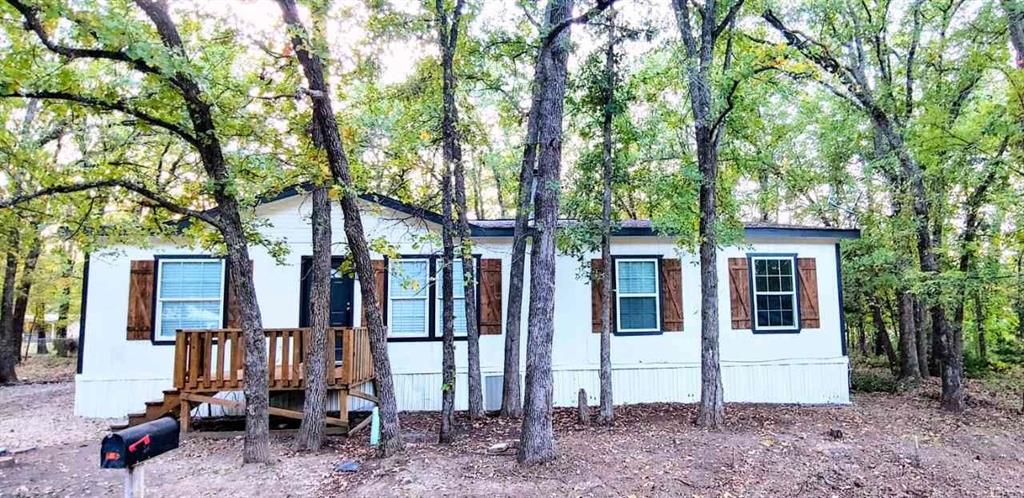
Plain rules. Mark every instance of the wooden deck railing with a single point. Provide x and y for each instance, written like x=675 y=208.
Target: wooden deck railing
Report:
x=212 y=359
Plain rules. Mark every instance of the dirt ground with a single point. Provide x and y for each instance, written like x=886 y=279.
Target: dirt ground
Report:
x=883 y=445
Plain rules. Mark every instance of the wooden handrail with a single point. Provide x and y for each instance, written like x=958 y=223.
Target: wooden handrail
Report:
x=209 y=360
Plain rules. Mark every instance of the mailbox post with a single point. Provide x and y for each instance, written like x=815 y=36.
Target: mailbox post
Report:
x=126 y=448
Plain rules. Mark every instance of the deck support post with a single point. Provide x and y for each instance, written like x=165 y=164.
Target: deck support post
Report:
x=185 y=417
x=343 y=405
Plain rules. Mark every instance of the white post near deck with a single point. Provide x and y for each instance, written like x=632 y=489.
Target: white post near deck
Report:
x=134 y=482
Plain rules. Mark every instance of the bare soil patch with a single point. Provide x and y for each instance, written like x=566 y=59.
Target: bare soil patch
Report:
x=882 y=445
x=46 y=368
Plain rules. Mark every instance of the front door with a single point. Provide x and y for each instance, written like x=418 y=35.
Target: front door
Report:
x=342 y=288
x=341 y=299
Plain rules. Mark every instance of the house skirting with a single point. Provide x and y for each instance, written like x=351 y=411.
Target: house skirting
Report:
x=817 y=382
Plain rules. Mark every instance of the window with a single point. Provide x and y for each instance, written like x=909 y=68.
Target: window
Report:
x=190 y=295
x=459 y=294
x=637 y=295
x=409 y=297
x=774 y=292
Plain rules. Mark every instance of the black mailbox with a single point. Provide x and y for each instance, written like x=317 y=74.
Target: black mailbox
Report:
x=128 y=447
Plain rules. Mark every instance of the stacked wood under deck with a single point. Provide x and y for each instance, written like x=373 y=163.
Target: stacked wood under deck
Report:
x=208 y=362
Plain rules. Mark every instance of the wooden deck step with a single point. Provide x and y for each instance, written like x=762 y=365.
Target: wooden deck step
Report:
x=155 y=409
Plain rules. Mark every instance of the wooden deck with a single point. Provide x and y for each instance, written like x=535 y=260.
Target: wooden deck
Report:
x=210 y=361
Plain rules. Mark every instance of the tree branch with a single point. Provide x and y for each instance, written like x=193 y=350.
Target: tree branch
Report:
x=33 y=23
x=820 y=55
x=117 y=105
x=908 y=106
x=580 y=19
x=729 y=16
x=682 y=10
x=729 y=103
x=154 y=197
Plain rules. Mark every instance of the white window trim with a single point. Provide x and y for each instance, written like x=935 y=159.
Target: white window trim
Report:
x=425 y=298
x=439 y=318
x=793 y=292
x=158 y=319
x=656 y=295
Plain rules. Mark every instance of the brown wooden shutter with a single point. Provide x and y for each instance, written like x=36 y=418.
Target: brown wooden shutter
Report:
x=140 y=300
x=490 y=296
x=739 y=292
x=380 y=273
x=671 y=295
x=596 y=271
x=809 y=316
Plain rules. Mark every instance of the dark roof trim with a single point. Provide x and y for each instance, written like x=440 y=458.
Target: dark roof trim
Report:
x=751 y=232
x=801 y=232
x=629 y=228
x=383 y=200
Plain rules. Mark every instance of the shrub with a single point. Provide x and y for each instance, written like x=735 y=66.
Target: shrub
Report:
x=870 y=381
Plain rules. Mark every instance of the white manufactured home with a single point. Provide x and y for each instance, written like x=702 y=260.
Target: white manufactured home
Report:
x=782 y=332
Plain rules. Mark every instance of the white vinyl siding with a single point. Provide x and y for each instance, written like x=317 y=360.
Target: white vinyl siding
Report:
x=775 y=304
x=459 y=298
x=408 y=297
x=190 y=295
x=637 y=307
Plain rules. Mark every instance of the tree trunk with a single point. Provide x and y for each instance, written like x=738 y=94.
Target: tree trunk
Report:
x=582 y=410
x=256 y=442
x=314 y=407
x=882 y=337
x=910 y=372
x=511 y=404
x=478 y=193
x=922 y=338
x=41 y=348
x=39 y=327
x=447 y=434
x=1015 y=21
x=935 y=359
x=256 y=447
x=10 y=337
x=708 y=127
x=952 y=340
x=448 y=36
x=1020 y=295
x=712 y=409
x=537 y=441
x=606 y=411
x=862 y=336
x=979 y=323
x=24 y=291
x=390 y=437
x=60 y=335
x=498 y=193
x=9 y=352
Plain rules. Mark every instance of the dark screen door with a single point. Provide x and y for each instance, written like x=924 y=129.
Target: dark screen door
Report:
x=342 y=288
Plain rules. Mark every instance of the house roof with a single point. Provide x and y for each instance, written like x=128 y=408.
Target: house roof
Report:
x=625 y=228
x=642 y=228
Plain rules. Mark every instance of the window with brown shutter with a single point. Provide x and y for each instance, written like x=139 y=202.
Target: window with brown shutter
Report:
x=490 y=296
x=671 y=295
x=140 y=300
x=774 y=293
x=739 y=292
x=809 y=314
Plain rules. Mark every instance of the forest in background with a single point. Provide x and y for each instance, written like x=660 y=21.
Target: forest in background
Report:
x=902 y=119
